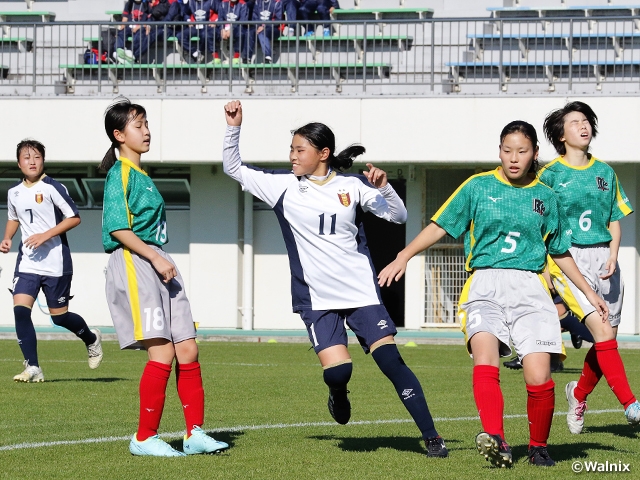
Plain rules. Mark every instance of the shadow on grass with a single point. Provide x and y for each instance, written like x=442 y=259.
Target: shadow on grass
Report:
x=98 y=380
x=564 y=451
x=227 y=437
x=620 y=430
x=403 y=444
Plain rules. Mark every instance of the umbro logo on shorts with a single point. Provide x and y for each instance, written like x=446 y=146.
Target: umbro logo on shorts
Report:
x=542 y=342
x=382 y=324
x=62 y=299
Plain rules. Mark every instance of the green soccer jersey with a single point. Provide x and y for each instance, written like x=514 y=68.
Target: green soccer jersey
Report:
x=132 y=201
x=590 y=196
x=506 y=226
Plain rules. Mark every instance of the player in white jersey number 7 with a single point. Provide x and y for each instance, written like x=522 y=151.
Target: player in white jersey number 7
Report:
x=332 y=279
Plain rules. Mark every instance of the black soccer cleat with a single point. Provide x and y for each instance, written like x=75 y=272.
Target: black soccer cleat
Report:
x=436 y=447
x=339 y=405
x=556 y=364
x=576 y=341
x=513 y=364
x=539 y=457
x=494 y=449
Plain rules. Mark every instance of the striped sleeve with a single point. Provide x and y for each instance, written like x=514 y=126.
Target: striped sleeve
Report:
x=61 y=199
x=621 y=206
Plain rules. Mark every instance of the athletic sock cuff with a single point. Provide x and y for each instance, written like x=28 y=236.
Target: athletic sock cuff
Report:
x=157 y=369
x=533 y=389
x=607 y=345
x=485 y=372
x=184 y=367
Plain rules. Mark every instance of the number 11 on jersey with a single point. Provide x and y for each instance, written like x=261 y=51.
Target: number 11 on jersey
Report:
x=333 y=224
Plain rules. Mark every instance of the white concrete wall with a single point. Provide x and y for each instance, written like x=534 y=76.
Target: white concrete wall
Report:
x=206 y=240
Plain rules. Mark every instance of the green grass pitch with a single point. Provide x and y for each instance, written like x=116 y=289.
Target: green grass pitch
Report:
x=268 y=402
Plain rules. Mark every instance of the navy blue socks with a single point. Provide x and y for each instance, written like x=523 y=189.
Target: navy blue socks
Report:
x=338 y=376
x=76 y=324
x=408 y=387
x=26 y=334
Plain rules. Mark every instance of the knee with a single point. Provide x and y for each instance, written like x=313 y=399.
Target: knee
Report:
x=187 y=351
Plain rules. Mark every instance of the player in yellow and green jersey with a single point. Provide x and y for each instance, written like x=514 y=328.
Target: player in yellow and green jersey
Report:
x=593 y=200
x=145 y=291
x=510 y=221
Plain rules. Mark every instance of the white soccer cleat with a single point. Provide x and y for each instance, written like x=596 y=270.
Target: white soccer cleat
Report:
x=575 y=415
x=31 y=374
x=95 y=350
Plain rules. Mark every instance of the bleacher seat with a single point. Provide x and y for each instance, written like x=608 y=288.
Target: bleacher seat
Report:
x=374 y=43
x=381 y=14
x=114 y=72
x=20 y=44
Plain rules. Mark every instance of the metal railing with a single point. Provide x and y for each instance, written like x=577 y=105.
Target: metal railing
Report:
x=390 y=57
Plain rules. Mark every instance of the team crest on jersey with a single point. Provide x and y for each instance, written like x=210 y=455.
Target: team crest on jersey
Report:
x=602 y=184
x=538 y=206
x=345 y=198
x=39 y=198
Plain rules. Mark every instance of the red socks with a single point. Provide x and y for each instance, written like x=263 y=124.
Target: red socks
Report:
x=489 y=400
x=590 y=376
x=613 y=370
x=153 y=385
x=191 y=393
x=540 y=404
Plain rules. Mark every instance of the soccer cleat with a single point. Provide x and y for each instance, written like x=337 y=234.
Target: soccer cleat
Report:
x=436 y=447
x=326 y=32
x=31 y=374
x=267 y=59
x=576 y=341
x=633 y=413
x=556 y=364
x=495 y=450
x=339 y=405
x=200 y=442
x=539 y=457
x=95 y=350
x=125 y=56
x=575 y=415
x=514 y=363
x=153 y=447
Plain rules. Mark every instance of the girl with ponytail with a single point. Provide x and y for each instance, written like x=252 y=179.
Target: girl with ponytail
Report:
x=332 y=279
x=145 y=291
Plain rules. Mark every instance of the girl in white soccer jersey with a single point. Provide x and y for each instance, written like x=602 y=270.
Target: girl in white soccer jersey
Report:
x=145 y=291
x=594 y=202
x=44 y=212
x=510 y=221
x=332 y=277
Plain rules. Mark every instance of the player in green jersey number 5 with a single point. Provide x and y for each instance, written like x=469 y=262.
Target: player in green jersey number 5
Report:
x=593 y=201
x=145 y=291
x=510 y=221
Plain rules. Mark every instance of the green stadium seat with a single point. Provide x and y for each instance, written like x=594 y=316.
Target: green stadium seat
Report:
x=114 y=72
x=345 y=43
x=21 y=44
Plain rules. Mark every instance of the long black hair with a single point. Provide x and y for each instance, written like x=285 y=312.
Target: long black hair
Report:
x=116 y=117
x=554 y=123
x=320 y=137
x=526 y=129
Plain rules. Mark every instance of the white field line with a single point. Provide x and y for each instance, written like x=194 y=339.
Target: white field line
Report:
x=241 y=428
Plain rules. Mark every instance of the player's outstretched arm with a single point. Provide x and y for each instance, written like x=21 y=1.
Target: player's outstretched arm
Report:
x=570 y=269
x=425 y=239
x=37 y=239
x=130 y=240
x=9 y=231
x=376 y=176
x=233 y=113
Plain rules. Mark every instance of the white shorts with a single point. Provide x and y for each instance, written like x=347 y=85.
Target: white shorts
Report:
x=510 y=304
x=591 y=262
x=142 y=306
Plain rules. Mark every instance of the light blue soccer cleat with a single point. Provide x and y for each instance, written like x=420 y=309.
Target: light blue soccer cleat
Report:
x=200 y=442
x=633 y=413
x=153 y=447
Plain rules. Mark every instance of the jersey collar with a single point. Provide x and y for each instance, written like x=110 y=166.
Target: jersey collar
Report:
x=561 y=160
x=324 y=181
x=129 y=163
x=496 y=173
x=34 y=183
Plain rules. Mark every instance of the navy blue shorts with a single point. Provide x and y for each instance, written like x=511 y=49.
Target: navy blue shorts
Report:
x=327 y=328
x=56 y=289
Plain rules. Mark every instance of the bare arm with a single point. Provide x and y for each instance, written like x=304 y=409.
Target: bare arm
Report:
x=9 y=231
x=130 y=240
x=37 y=239
x=614 y=247
x=570 y=269
x=425 y=239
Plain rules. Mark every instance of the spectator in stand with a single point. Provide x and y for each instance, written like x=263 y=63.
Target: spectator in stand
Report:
x=199 y=12
x=134 y=13
x=323 y=8
x=290 y=7
x=232 y=13
x=265 y=11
